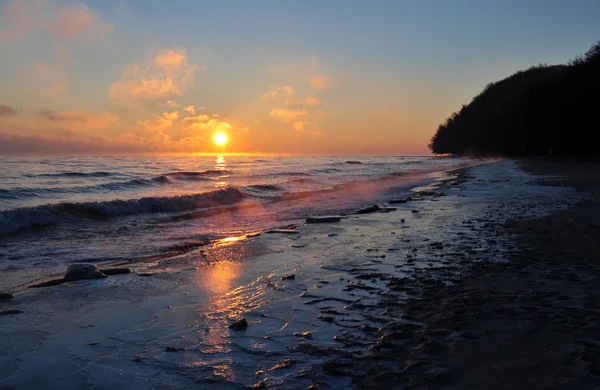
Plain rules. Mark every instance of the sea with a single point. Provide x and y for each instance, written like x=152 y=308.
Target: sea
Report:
x=55 y=211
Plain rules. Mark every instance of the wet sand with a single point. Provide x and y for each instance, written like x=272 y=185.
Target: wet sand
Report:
x=485 y=280
x=532 y=322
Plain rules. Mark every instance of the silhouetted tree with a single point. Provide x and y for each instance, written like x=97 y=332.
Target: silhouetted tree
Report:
x=531 y=112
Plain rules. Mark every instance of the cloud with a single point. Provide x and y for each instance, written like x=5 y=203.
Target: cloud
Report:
x=80 y=120
x=159 y=122
x=20 y=18
x=56 y=88
x=7 y=110
x=212 y=125
x=167 y=74
x=312 y=101
x=299 y=126
x=77 y=19
x=288 y=115
x=190 y=120
x=274 y=91
x=169 y=103
x=206 y=123
x=318 y=82
x=190 y=109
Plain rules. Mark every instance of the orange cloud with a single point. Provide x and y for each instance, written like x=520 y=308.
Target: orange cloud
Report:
x=288 y=115
x=77 y=19
x=299 y=126
x=274 y=90
x=312 y=101
x=20 y=18
x=169 y=103
x=168 y=74
x=211 y=125
x=190 y=109
x=318 y=82
x=159 y=122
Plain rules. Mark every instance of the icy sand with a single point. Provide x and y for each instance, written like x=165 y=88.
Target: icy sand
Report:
x=346 y=302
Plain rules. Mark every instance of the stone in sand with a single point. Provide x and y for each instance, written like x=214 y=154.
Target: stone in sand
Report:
x=282 y=231
x=324 y=219
x=6 y=296
x=367 y=210
x=10 y=311
x=239 y=325
x=306 y=335
x=415 y=211
x=289 y=277
x=397 y=201
x=115 y=271
x=173 y=349
x=83 y=271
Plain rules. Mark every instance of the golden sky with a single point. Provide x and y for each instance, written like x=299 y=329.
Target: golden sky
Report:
x=118 y=77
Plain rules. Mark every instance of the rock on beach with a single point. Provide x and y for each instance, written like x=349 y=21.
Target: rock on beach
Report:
x=83 y=271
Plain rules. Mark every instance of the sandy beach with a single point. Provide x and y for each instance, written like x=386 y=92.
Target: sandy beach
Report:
x=485 y=279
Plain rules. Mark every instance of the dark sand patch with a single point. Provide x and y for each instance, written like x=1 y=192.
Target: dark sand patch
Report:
x=530 y=323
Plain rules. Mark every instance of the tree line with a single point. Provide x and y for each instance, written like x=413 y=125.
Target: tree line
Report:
x=539 y=111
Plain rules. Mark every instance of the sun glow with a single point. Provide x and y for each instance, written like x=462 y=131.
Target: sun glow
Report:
x=220 y=138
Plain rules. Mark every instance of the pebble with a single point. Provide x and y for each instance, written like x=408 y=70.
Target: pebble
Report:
x=239 y=325
x=6 y=296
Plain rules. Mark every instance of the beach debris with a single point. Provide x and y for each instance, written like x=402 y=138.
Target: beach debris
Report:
x=239 y=325
x=367 y=210
x=415 y=211
x=289 y=277
x=6 y=296
x=397 y=201
x=83 y=271
x=402 y=220
x=282 y=231
x=10 y=311
x=173 y=349
x=333 y=235
x=115 y=271
x=324 y=219
x=306 y=335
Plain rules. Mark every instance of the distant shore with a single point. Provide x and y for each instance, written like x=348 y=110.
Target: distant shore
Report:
x=442 y=291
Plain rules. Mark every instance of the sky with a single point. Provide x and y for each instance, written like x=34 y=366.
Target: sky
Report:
x=309 y=77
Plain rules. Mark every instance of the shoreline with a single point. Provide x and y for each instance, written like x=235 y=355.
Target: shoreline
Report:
x=54 y=279
x=352 y=303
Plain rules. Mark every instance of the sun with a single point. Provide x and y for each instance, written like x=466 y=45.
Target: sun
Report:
x=220 y=138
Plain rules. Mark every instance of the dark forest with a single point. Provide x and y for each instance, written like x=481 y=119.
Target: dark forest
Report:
x=544 y=110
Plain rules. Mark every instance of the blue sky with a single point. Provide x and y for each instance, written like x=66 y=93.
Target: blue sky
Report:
x=302 y=77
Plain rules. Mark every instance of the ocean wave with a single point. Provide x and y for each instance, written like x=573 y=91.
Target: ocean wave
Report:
x=52 y=214
x=194 y=175
x=74 y=174
x=264 y=187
